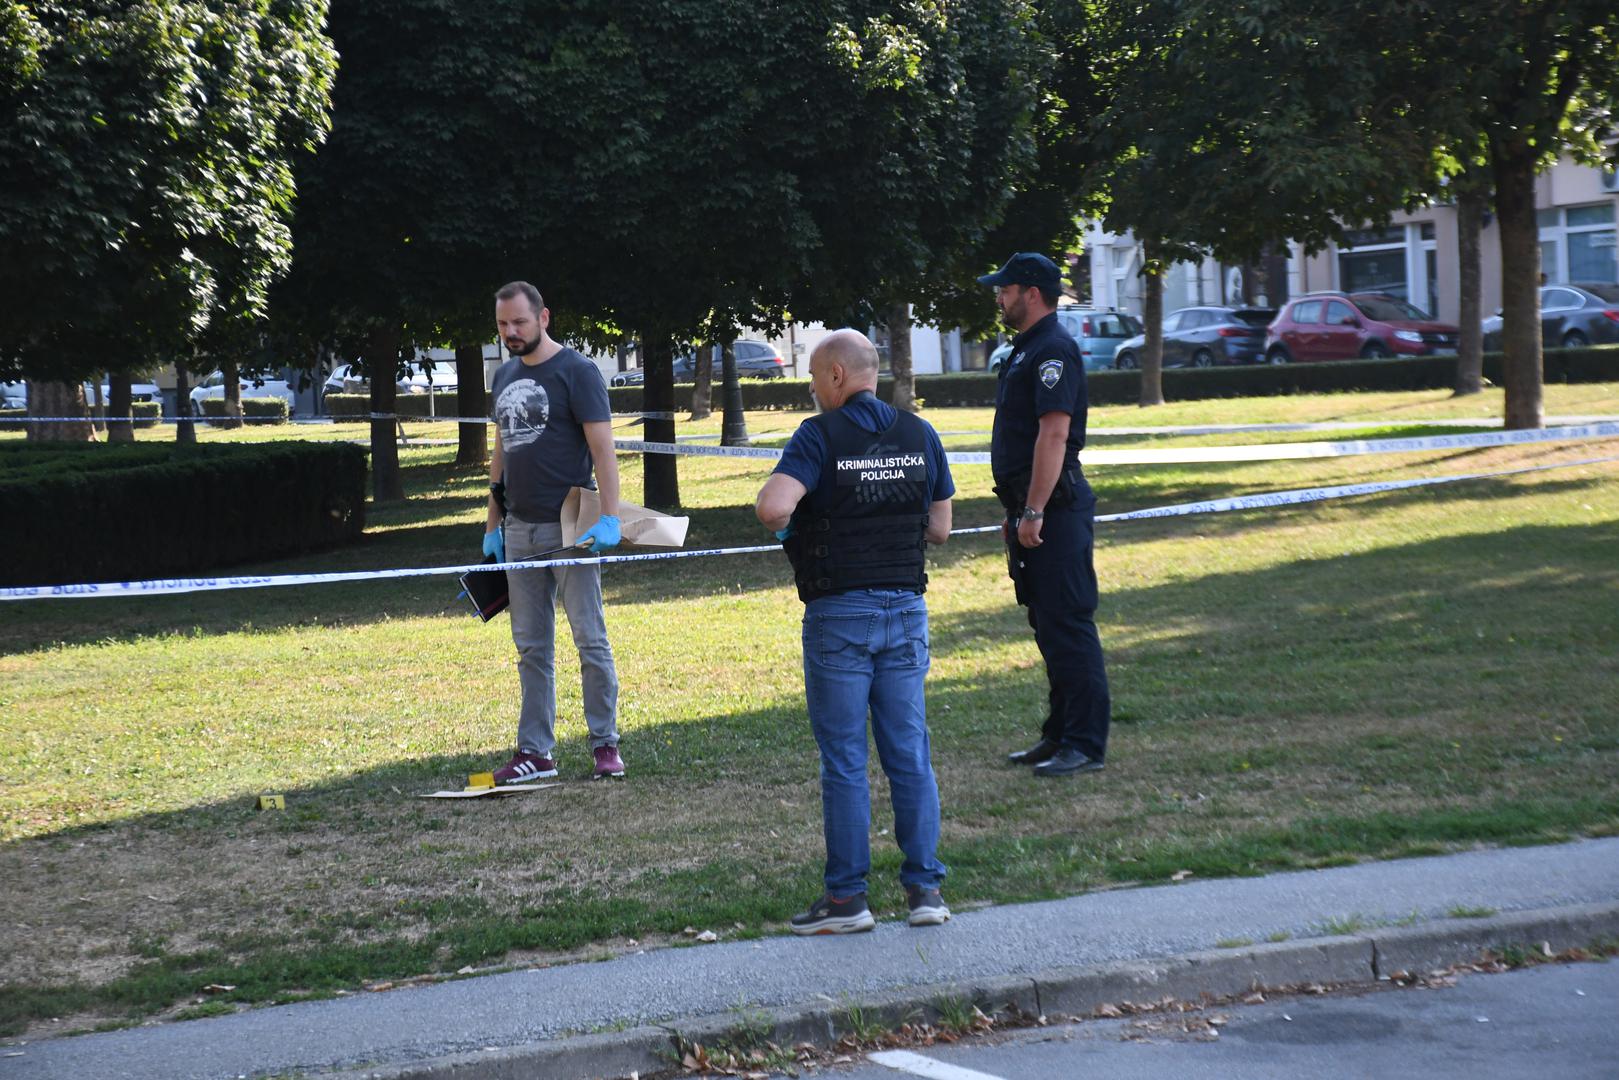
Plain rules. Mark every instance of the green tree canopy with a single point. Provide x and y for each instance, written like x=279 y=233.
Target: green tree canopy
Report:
x=148 y=187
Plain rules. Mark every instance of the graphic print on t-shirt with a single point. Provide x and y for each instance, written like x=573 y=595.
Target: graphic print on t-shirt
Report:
x=522 y=411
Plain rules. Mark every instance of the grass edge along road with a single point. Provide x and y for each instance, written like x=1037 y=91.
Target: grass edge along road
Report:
x=1398 y=675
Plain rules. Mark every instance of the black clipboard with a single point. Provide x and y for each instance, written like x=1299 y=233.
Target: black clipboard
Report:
x=488 y=590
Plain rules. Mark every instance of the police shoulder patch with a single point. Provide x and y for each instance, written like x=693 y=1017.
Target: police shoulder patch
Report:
x=1050 y=373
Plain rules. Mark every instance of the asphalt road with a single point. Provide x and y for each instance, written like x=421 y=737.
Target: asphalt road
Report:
x=1559 y=1022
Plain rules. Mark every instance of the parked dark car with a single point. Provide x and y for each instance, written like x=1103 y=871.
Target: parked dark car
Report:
x=1205 y=336
x=1342 y=326
x=754 y=359
x=1571 y=316
x=629 y=377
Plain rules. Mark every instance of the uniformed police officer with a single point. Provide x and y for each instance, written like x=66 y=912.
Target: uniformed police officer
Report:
x=1034 y=453
x=860 y=490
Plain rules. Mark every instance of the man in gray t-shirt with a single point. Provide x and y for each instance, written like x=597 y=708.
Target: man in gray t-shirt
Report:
x=552 y=425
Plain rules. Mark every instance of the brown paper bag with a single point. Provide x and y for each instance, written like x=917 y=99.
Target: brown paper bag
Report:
x=637 y=524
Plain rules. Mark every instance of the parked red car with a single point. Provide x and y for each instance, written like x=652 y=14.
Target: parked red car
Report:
x=1342 y=326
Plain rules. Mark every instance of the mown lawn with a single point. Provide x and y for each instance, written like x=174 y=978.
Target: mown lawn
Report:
x=1391 y=675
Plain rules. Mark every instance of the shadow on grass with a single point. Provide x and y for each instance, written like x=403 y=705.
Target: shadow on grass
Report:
x=1379 y=623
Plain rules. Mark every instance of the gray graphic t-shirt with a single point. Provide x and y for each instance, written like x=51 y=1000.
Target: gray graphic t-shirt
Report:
x=540 y=410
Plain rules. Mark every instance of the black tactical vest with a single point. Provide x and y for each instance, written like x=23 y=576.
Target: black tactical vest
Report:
x=862 y=527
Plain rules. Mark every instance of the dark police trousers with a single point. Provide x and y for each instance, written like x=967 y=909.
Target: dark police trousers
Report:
x=1059 y=586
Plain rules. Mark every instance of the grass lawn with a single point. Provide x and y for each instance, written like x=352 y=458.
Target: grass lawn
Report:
x=1397 y=674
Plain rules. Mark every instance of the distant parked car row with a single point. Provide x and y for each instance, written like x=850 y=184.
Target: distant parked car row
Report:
x=754 y=360
x=1315 y=326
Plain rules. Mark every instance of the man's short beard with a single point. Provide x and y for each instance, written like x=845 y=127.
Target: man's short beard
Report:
x=528 y=347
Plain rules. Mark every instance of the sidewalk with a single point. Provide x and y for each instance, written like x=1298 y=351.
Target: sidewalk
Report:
x=587 y=1020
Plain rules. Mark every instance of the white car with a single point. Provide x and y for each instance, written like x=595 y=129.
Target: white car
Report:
x=214 y=387
x=14 y=395
x=441 y=377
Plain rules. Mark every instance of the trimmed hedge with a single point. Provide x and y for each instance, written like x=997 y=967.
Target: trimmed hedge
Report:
x=358 y=406
x=260 y=410
x=142 y=510
x=977 y=389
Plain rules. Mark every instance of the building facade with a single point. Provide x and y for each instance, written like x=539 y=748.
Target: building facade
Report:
x=1414 y=257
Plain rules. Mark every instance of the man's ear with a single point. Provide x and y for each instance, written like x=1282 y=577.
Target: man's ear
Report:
x=545 y=318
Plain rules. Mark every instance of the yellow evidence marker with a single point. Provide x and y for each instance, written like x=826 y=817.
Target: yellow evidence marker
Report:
x=272 y=802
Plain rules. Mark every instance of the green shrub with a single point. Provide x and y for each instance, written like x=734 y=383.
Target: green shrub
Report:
x=156 y=509
x=260 y=410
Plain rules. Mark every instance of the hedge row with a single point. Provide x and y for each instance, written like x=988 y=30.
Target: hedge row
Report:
x=260 y=410
x=977 y=389
x=156 y=509
x=358 y=406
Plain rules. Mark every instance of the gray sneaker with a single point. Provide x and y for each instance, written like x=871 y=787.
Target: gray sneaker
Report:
x=927 y=906
x=829 y=915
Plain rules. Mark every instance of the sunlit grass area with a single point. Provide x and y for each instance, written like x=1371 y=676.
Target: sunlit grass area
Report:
x=1390 y=675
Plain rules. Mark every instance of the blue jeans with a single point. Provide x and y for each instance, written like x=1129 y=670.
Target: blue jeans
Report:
x=868 y=650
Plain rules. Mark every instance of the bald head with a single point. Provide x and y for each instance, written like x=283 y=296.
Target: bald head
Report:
x=842 y=364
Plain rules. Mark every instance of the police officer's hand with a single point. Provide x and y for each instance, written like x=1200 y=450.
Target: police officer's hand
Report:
x=1028 y=532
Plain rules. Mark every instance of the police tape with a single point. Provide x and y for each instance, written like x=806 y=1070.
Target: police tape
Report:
x=1209 y=454
x=358 y=418
x=1241 y=502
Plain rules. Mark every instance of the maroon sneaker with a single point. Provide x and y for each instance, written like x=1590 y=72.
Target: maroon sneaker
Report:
x=608 y=763
x=524 y=767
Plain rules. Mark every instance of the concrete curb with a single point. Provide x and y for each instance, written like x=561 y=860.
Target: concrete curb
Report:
x=1360 y=958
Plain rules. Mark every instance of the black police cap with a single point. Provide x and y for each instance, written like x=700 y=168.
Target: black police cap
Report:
x=1026 y=268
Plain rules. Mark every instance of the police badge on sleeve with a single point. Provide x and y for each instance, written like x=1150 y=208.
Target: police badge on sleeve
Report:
x=1050 y=373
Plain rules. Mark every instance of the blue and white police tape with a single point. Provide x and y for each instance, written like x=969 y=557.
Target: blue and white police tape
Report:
x=358 y=418
x=1210 y=454
x=1241 y=502
x=1269 y=499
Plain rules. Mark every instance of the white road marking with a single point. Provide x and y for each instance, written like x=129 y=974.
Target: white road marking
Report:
x=917 y=1065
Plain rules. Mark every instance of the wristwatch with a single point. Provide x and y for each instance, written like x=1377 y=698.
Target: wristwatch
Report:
x=1031 y=514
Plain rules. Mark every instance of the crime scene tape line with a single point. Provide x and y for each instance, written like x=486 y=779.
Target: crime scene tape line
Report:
x=1240 y=502
x=1191 y=454
x=356 y=419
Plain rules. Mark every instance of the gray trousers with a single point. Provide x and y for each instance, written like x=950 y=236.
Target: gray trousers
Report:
x=533 y=614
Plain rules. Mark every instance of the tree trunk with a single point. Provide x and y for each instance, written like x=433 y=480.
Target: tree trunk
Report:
x=702 y=389
x=1152 y=317
x=382 y=363
x=899 y=357
x=1470 y=203
x=734 y=425
x=60 y=399
x=233 y=392
x=1514 y=169
x=185 y=432
x=472 y=442
x=661 y=479
x=120 y=409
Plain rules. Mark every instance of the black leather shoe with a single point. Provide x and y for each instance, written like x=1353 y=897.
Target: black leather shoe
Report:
x=1043 y=750
x=1066 y=762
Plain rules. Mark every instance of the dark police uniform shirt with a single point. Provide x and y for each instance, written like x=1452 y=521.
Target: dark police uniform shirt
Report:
x=806 y=450
x=1044 y=373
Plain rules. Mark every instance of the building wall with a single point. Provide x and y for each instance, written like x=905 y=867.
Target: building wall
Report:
x=1578 y=216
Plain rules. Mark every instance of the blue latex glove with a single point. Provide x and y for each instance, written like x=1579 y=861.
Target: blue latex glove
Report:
x=494 y=543
x=782 y=534
x=601 y=536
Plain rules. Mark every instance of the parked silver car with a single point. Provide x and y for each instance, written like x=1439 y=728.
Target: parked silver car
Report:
x=1571 y=316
